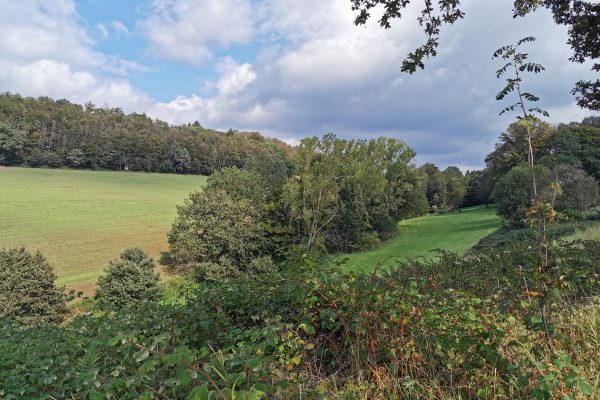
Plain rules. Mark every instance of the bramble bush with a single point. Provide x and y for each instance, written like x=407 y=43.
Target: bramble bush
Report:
x=455 y=327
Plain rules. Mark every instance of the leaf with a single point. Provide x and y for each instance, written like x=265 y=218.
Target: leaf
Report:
x=141 y=355
x=96 y=395
x=535 y=294
x=585 y=388
x=255 y=394
x=200 y=393
x=526 y=39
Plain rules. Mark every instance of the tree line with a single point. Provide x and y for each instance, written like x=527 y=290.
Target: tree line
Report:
x=568 y=169
x=39 y=132
x=334 y=195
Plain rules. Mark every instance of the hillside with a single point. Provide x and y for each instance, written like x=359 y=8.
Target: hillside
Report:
x=82 y=219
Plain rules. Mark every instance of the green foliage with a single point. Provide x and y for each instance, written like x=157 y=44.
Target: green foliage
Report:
x=578 y=144
x=239 y=184
x=10 y=145
x=512 y=148
x=76 y=158
x=454 y=327
x=127 y=281
x=479 y=188
x=578 y=190
x=178 y=159
x=347 y=194
x=215 y=231
x=512 y=194
x=456 y=187
x=274 y=168
x=27 y=291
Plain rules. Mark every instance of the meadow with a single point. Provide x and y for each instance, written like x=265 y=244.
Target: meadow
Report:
x=456 y=231
x=80 y=220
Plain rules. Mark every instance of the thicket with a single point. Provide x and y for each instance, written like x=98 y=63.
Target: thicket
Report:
x=348 y=195
x=335 y=195
x=455 y=327
x=41 y=131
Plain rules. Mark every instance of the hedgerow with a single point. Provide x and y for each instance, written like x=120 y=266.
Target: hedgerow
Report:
x=456 y=327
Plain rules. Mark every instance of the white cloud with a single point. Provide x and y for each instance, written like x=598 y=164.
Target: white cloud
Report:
x=102 y=29
x=33 y=30
x=234 y=78
x=119 y=27
x=314 y=72
x=45 y=51
x=59 y=80
x=185 y=29
x=233 y=102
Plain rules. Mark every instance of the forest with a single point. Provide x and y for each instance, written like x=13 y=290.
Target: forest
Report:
x=42 y=132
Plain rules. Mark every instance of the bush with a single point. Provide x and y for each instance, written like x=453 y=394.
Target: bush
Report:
x=456 y=327
x=128 y=280
x=27 y=290
x=212 y=227
x=513 y=195
x=225 y=269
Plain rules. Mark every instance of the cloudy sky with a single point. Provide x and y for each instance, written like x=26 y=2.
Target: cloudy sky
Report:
x=286 y=68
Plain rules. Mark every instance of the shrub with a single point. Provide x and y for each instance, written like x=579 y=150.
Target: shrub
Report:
x=76 y=158
x=27 y=290
x=225 y=269
x=421 y=330
x=513 y=195
x=239 y=184
x=128 y=280
x=579 y=191
x=212 y=227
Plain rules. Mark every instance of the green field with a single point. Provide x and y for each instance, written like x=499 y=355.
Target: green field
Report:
x=455 y=231
x=81 y=219
x=589 y=233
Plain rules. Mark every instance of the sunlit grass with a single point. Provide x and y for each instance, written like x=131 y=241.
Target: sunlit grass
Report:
x=456 y=231
x=81 y=219
x=589 y=233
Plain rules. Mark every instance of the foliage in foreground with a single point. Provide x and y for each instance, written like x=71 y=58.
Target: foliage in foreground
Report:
x=455 y=327
x=27 y=290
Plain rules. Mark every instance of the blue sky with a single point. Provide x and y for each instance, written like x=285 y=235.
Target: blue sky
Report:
x=288 y=69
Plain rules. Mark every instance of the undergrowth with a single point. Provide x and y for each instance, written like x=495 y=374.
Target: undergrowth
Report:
x=456 y=327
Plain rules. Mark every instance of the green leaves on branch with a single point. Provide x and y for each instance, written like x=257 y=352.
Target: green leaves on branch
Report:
x=517 y=61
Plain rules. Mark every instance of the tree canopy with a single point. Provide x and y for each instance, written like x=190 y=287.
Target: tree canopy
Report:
x=41 y=131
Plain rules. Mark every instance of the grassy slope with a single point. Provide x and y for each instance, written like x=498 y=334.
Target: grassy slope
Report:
x=82 y=219
x=590 y=233
x=456 y=231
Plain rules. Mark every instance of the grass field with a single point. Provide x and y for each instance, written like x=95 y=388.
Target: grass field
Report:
x=81 y=219
x=455 y=231
x=590 y=233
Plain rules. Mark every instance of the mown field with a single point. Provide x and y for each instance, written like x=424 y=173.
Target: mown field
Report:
x=81 y=219
x=455 y=231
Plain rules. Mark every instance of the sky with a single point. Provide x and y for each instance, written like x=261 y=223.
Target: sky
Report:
x=286 y=68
